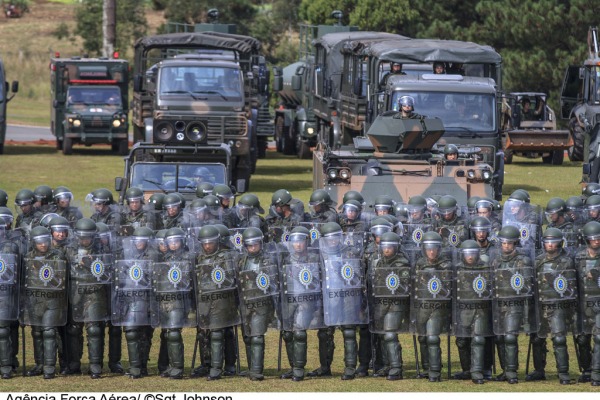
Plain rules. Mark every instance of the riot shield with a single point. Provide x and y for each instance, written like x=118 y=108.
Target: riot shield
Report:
x=557 y=302
x=314 y=229
x=589 y=294
x=344 y=292
x=235 y=238
x=390 y=287
x=216 y=287
x=9 y=287
x=301 y=296
x=133 y=249
x=259 y=292
x=515 y=212
x=431 y=310
x=472 y=305
x=173 y=304
x=44 y=295
x=514 y=291
x=132 y=291
x=413 y=234
x=89 y=286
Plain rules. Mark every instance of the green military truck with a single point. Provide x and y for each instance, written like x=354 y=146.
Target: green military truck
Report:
x=5 y=97
x=192 y=88
x=89 y=102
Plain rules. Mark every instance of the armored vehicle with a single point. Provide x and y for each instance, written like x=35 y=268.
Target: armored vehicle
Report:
x=90 y=102
x=400 y=158
x=529 y=129
x=5 y=97
x=160 y=168
x=580 y=104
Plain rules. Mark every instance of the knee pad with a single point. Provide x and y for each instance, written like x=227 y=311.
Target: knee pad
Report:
x=95 y=330
x=510 y=339
x=559 y=340
x=287 y=335
x=478 y=340
x=217 y=335
x=49 y=333
x=4 y=332
x=433 y=340
x=132 y=334
x=300 y=336
x=389 y=337
x=422 y=339
x=174 y=335
x=36 y=332
x=349 y=332
x=596 y=340
x=257 y=340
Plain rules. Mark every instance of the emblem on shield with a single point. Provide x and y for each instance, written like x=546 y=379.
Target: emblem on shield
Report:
x=314 y=234
x=479 y=284
x=524 y=233
x=136 y=273
x=218 y=276
x=347 y=273
x=262 y=282
x=417 y=235
x=97 y=269
x=46 y=274
x=392 y=282
x=305 y=277
x=517 y=282
x=560 y=285
x=237 y=241
x=3 y=266
x=454 y=239
x=174 y=275
x=285 y=237
x=434 y=286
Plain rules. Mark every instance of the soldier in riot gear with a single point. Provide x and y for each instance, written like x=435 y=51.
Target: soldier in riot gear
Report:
x=390 y=273
x=44 y=201
x=199 y=213
x=350 y=217
x=472 y=311
x=283 y=218
x=431 y=321
x=225 y=196
x=383 y=205
x=518 y=208
x=215 y=212
x=513 y=275
x=592 y=206
x=554 y=270
x=451 y=226
x=134 y=214
x=485 y=208
x=247 y=213
x=590 y=189
x=321 y=207
x=204 y=189
x=575 y=207
x=471 y=202
x=259 y=293
x=59 y=228
x=102 y=200
x=556 y=209
x=63 y=197
x=173 y=215
x=3 y=198
x=27 y=213
x=302 y=280
x=44 y=309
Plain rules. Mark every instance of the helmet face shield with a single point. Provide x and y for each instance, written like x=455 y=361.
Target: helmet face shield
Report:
x=379 y=230
x=470 y=256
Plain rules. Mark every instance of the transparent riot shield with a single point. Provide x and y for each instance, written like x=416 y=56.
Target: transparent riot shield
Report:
x=431 y=310
x=413 y=234
x=132 y=291
x=301 y=295
x=514 y=292
x=472 y=303
x=279 y=234
x=390 y=287
x=216 y=293
x=9 y=287
x=515 y=212
x=314 y=229
x=173 y=304
x=572 y=241
x=557 y=301
x=44 y=295
x=259 y=291
x=236 y=240
x=589 y=293
x=89 y=286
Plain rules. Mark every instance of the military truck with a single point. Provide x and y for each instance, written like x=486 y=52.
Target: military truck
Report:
x=529 y=129
x=7 y=92
x=399 y=157
x=89 y=102
x=192 y=88
x=580 y=104
x=160 y=168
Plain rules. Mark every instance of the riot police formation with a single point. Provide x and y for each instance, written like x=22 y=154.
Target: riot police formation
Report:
x=483 y=273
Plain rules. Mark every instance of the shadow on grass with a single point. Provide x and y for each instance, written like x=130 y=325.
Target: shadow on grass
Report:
x=508 y=188
x=27 y=150
x=39 y=149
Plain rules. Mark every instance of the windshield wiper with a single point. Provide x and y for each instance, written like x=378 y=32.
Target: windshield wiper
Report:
x=212 y=92
x=157 y=184
x=183 y=92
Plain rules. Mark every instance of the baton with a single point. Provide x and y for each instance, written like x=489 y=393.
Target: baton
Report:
x=449 y=358
x=23 y=348
x=416 y=355
x=528 y=357
x=237 y=348
x=195 y=351
x=279 y=351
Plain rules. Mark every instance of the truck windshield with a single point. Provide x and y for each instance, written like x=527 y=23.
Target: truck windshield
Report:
x=472 y=111
x=94 y=96
x=175 y=177
x=201 y=82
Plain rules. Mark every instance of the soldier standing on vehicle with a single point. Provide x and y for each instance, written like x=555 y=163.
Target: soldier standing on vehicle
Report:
x=63 y=198
x=406 y=104
x=451 y=152
x=439 y=68
x=395 y=69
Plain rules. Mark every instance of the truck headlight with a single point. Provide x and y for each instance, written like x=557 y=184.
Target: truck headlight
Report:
x=74 y=122
x=116 y=123
x=310 y=131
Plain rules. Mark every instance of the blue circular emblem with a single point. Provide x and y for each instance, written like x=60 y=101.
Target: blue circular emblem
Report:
x=136 y=273
x=347 y=272
x=46 y=273
x=454 y=239
x=479 y=285
x=524 y=233
x=392 y=282
x=560 y=285
x=2 y=266
x=434 y=286
x=174 y=275
x=97 y=268
x=218 y=275
x=417 y=235
x=305 y=276
x=517 y=282
x=237 y=241
x=263 y=281
x=285 y=237
x=314 y=234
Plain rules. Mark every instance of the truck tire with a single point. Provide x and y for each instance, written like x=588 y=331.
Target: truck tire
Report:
x=288 y=145
x=303 y=147
x=508 y=156
x=1 y=148
x=67 y=147
x=59 y=144
x=278 y=133
x=123 y=147
x=576 y=151
x=262 y=147
x=558 y=157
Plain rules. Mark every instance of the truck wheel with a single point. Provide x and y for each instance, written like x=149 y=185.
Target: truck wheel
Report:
x=287 y=142
x=558 y=157
x=67 y=147
x=548 y=159
x=278 y=133
x=576 y=151
x=59 y=144
x=508 y=156
x=123 y=147
x=1 y=148
x=262 y=147
x=304 y=152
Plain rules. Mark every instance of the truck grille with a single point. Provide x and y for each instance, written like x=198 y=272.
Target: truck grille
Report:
x=232 y=125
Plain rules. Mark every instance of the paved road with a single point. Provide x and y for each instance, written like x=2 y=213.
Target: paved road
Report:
x=23 y=133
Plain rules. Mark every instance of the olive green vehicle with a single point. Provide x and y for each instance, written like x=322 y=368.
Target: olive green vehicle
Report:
x=400 y=158
x=5 y=97
x=532 y=133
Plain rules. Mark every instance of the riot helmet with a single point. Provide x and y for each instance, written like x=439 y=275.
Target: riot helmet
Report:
x=224 y=193
x=161 y=241
x=431 y=245
x=208 y=236
x=104 y=233
x=406 y=101
x=383 y=204
x=591 y=234
x=141 y=237
x=591 y=189
x=470 y=252
x=319 y=200
x=351 y=209
x=3 y=198
x=24 y=200
x=447 y=206
x=389 y=243
x=552 y=240
x=331 y=232
x=555 y=209
x=508 y=236
x=280 y=198
x=203 y=189
x=592 y=206
x=248 y=205
x=43 y=194
x=85 y=230
x=471 y=202
x=62 y=196
x=175 y=238
x=353 y=195
x=379 y=226
x=198 y=208
x=479 y=226
x=253 y=240
x=450 y=152
x=172 y=204
x=213 y=204
x=396 y=224
x=40 y=238
x=59 y=228
x=484 y=208
x=102 y=196
x=6 y=217
x=224 y=234
x=46 y=218
x=134 y=194
x=417 y=205
x=156 y=201
x=298 y=239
